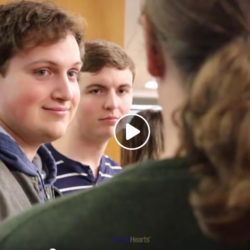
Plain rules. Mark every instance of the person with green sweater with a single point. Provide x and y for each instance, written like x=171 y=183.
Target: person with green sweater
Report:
x=197 y=198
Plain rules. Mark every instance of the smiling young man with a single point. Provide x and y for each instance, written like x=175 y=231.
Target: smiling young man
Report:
x=106 y=94
x=39 y=95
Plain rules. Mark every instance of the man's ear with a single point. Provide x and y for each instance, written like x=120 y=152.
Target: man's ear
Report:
x=155 y=55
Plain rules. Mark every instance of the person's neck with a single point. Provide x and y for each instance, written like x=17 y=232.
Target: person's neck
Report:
x=172 y=100
x=88 y=152
x=171 y=140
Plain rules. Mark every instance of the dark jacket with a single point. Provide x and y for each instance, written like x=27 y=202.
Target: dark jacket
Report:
x=21 y=182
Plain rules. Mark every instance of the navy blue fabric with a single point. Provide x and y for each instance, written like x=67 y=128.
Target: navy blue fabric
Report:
x=49 y=165
x=75 y=176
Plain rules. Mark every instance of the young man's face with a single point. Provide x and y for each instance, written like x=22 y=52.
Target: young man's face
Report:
x=39 y=93
x=105 y=96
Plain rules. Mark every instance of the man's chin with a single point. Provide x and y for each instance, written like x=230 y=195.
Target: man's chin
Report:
x=109 y=135
x=55 y=135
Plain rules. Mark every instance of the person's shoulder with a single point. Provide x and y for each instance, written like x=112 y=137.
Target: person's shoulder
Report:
x=154 y=167
x=110 y=160
x=3 y=170
x=154 y=172
x=179 y=163
x=110 y=164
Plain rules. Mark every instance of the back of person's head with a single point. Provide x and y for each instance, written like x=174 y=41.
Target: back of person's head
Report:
x=209 y=43
x=154 y=148
x=103 y=53
x=27 y=24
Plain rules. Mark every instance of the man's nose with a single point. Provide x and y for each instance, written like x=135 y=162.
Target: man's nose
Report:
x=65 y=89
x=112 y=100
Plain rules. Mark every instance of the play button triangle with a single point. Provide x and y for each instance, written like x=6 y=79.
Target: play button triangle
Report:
x=131 y=131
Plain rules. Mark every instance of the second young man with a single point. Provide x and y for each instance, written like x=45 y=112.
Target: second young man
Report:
x=106 y=94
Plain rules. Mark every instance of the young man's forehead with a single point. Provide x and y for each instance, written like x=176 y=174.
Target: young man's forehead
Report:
x=52 y=53
x=53 y=63
x=106 y=67
x=103 y=79
x=103 y=71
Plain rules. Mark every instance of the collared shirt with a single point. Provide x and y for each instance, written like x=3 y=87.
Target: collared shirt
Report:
x=74 y=176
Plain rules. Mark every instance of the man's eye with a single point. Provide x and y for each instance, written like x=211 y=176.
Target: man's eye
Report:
x=73 y=73
x=42 y=72
x=123 y=91
x=95 y=91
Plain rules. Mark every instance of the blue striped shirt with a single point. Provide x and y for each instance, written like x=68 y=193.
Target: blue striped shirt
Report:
x=74 y=176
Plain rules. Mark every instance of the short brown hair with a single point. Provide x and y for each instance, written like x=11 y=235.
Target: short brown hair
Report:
x=26 y=24
x=102 y=53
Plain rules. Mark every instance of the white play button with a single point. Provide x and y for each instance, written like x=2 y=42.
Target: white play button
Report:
x=131 y=131
x=128 y=127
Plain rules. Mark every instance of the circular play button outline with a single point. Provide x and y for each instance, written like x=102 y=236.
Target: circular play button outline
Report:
x=142 y=143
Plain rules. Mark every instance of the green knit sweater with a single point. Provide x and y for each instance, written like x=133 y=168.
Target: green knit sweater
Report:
x=145 y=207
